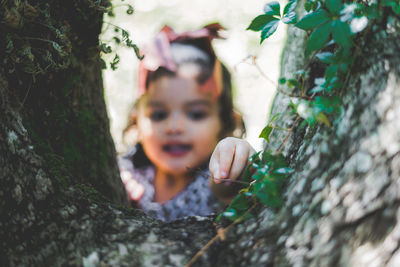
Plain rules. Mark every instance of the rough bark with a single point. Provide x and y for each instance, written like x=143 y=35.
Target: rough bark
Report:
x=340 y=206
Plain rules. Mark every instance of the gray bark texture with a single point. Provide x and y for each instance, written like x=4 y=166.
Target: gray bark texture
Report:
x=61 y=201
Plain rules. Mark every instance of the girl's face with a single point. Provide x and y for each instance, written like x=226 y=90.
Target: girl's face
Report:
x=178 y=124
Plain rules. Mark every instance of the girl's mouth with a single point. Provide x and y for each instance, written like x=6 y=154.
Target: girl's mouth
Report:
x=177 y=150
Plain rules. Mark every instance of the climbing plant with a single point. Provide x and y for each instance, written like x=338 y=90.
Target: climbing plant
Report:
x=334 y=28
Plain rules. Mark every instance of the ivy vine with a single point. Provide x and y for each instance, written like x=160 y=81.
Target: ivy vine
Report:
x=332 y=27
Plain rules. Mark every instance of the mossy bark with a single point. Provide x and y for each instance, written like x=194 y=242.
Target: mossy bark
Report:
x=59 y=185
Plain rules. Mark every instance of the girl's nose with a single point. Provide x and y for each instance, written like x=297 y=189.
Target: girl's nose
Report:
x=175 y=124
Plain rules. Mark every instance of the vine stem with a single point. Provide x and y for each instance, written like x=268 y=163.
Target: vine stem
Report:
x=254 y=62
x=215 y=238
x=287 y=135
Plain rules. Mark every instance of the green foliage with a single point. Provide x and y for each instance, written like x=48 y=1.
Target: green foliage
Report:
x=266 y=132
x=268 y=22
x=266 y=182
x=121 y=38
x=332 y=26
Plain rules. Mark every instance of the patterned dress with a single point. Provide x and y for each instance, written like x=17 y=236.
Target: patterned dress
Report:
x=195 y=199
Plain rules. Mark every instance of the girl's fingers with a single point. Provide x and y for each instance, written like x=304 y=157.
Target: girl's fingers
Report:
x=240 y=160
x=214 y=166
x=226 y=154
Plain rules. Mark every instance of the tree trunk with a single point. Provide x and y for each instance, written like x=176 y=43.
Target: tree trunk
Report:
x=62 y=199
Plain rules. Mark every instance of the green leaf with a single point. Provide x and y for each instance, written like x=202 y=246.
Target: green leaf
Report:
x=290 y=7
x=282 y=80
x=313 y=20
x=289 y=18
x=266 y=132
x=326 y=57
x=130 y=10
x=259 y=22
x=318 y=38
x=269 y=29
x=317 y=89
x=321 y=117
x=284 y=170
x=230 y=214
x=341 y=33
x=274 y=118
x=333 y=6
x=395 y=5
x=300 y=72
x=239 y=202
x=293 y=83
x=331 y=72
x=272 y=8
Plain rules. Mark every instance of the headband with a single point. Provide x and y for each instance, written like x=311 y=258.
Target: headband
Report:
x=158 y=54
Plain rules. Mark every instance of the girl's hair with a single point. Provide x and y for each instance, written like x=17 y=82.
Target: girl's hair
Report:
x=189 y=53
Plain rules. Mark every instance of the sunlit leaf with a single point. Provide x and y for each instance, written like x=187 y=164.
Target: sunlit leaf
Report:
x=272 y=8
x=321 y=117
x=259 y=22
x=269 y=29
x=284 y=170
x=326 y=57
x=290 y=7
x=289 y=18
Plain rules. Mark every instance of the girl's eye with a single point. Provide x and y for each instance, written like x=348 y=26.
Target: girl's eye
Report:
x=197 y=115
x=158 y=115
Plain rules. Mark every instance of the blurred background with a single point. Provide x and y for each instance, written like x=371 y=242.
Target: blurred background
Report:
x=253 y=89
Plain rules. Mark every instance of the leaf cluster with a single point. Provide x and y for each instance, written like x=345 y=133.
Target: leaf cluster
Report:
x=121 y=38
x=332 y=25
x=268 y=22
x=265 y=174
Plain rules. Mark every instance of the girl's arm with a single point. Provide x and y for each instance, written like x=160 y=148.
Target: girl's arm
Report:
x=228 y=161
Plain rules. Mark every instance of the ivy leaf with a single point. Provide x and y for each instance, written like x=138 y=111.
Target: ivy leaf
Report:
x=284 y=170
x=130 y=10
x=239 y=202
x=114 y=63
x=272 y=8
x=266 y=132
x=259 y=22
x=289 y=18
x=313 y=20
x=290 y=7
x=269 y=29
x=341 y=33
x=293 y=83
x=326 y=57
x=318 y=38
x=333 y=6
x=395 y=5
x=321 y=117
x=230 y=214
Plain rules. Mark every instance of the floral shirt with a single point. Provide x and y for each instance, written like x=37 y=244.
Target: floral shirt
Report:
x=195 y=199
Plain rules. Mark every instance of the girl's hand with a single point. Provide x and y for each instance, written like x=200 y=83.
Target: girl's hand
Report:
x=230 y=158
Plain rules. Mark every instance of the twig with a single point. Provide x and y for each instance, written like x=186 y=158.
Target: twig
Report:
x=209 y=243
x=277 y=87
x=198 y=170
x=287 y=135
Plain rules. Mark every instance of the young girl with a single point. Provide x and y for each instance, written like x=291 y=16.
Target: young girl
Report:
x=184 y=109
